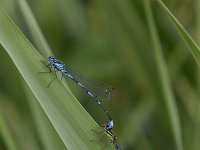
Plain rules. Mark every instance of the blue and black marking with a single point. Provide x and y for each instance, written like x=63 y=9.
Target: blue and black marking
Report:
x=113 y=137
x=92 y=89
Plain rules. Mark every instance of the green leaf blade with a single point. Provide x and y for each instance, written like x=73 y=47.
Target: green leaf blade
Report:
x=70 y=120
x=195 y=50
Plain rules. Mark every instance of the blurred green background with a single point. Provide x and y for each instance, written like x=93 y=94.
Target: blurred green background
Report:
x=109 y=42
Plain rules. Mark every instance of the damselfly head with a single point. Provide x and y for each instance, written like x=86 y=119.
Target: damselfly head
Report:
x=51 y=59
x=105 y=126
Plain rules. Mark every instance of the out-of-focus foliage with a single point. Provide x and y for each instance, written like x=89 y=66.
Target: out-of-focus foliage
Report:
x=110 y=42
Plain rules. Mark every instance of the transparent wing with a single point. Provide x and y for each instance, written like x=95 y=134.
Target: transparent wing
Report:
x=98 y=91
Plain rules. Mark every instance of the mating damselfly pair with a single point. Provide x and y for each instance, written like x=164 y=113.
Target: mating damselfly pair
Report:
x=93 y=89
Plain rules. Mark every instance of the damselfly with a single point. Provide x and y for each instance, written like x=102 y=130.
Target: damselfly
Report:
x=112 y=136
x=93 y=89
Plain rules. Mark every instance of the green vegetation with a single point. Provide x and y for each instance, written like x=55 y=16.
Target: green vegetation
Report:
x=139 y=47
